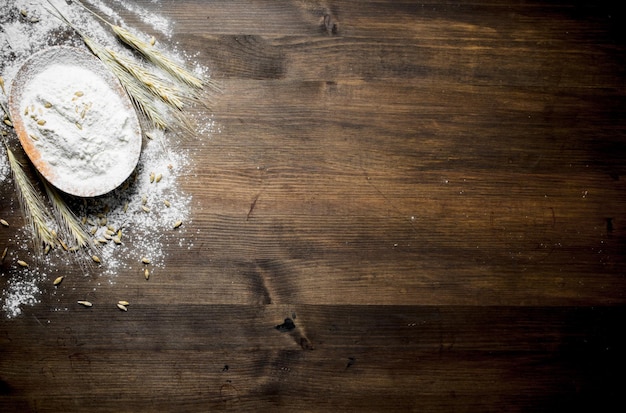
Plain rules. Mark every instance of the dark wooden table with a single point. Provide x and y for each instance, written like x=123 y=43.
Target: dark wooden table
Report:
x=433 y=195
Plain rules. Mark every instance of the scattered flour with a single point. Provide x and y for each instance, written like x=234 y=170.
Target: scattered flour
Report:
x=149 y=17
x=145 y=234
x=4 y=166
x=24 y=291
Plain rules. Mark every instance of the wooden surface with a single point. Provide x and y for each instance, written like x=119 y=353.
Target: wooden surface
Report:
x=432 y=193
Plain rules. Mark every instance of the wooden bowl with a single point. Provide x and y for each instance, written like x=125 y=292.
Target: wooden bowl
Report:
x=110 y=172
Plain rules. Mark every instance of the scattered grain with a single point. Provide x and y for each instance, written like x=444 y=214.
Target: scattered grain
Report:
x=58 y=280
x=124 y=302
x=41 y=122
x=122 y=307
x=64 y=245
x=96 y=258
x=145 y=260
x=4 y=222
x=146 y=273
x=22 y=263
x=84 y=303
x=178 y=224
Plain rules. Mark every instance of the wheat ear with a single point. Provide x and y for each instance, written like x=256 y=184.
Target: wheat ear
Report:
x=68 y=223
x=158 y=58
x=152 y=54
x=32 y=205
x=173 y=96
x=138 y=93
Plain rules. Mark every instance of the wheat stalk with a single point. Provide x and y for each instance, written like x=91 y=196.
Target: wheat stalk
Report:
x=153 y=55
x=172 y=96
x=158 y=58
x=141 y=84
x=32 y=205
x=159 y=88
x=138 y=93
x=35 y=213
x=67 y=221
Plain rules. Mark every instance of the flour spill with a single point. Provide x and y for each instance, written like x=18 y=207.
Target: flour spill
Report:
x=139 y=219
x=4 y=166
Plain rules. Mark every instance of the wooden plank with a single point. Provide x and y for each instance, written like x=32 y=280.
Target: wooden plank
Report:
x=365 y=357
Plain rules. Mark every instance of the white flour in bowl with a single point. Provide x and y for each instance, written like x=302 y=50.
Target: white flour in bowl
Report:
x=81 y=128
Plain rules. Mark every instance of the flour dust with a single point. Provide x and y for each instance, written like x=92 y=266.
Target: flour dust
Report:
x=143 y=210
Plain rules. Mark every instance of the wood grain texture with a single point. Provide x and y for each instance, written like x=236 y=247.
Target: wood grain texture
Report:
x=433 y=194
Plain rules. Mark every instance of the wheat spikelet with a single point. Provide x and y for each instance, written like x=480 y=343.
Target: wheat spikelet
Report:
x=153 y=55
x=33 y=207
x=69 y=225
x=138 y=93
x=167 y=93
x=157 y=58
